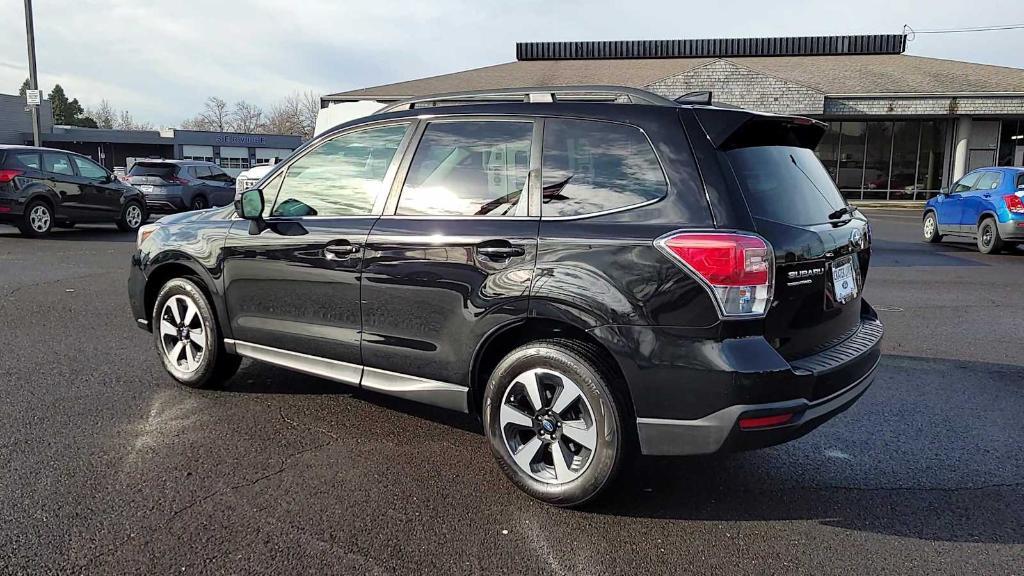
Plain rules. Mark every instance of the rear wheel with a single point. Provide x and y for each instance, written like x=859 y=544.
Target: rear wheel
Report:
x=37 y=220
x=199 y=203
x=132 y=217
x=931 y=228
x=989 y=241
x=554 y=423
x=187 y=337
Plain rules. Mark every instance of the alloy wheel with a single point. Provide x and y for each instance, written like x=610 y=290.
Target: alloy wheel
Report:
x=929 y=228
x=548 y=426
x=986 y=236
x=39 y=218
x=133 y=216
x=182 y=333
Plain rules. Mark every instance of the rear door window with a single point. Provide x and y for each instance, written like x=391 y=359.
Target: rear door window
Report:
x=469 y=168
x=202 y=172
x=57 y=163
x=785 y=184
x=592 y=167
x=28 y=159
x=988 y=181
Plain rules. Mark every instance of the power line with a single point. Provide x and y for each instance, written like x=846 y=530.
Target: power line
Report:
x=911 y=32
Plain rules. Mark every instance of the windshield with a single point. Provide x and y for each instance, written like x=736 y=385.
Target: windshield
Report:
x=785 y=184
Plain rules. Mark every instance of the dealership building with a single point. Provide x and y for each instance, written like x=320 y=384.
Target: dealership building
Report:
x=234 y=152
x=901 y=127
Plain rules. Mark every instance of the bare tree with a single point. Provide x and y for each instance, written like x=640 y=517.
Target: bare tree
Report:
x=194 y=123
x=126 y=122
x=247 y=118
x=295 y=114
x=104 y=115
x=215 y=114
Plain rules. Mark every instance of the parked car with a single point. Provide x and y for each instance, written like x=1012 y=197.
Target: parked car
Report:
x=986 y=205
x=589 y=278
x=251 y=177
x=41 y=188
x=177 y=185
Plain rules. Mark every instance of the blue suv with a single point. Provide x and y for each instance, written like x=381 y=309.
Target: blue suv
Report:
x=986 y=205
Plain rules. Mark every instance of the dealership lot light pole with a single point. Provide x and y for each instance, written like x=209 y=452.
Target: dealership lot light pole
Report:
x=33 y=81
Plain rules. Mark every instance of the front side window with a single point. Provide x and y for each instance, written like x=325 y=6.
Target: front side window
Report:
x=966 y=183
x=342 y=177
x=988 y=181
x=89 y=169
x=594 y=167
x=57 y=163
x=469 y=168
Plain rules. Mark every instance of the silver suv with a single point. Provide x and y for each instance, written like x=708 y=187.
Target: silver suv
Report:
x=179 y=185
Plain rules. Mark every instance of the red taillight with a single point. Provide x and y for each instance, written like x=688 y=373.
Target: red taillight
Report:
x=1014 y=203
x=737 y=267
x=8 y=175
x=764 y=421
x=177 y=180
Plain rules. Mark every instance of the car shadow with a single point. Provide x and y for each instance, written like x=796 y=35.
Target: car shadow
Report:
x=80 y=233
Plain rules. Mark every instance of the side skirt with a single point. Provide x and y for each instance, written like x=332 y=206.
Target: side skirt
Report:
x=432 y=392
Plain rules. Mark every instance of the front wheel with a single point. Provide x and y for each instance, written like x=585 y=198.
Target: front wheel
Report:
x=931 y=228
x=132 y=217
x=989 y=241
x=198 y=203
x=187 y=338
x=555 y=425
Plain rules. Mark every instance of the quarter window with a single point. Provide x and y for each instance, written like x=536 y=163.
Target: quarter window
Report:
x=597 y=166
x=57 y=163
x=469 y=168
x=342 y=177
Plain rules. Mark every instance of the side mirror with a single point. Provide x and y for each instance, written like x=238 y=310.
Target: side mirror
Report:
x=250 y=204
x=943 y=191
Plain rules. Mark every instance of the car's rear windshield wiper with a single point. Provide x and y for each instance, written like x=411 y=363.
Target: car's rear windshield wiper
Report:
x=841 y=212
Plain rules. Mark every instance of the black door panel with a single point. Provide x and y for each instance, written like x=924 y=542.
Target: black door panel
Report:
x=430 y=294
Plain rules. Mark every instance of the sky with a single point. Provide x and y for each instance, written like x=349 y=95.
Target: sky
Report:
x=161 y=59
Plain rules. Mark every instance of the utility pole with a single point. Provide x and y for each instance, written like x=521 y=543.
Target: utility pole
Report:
x=33 y=80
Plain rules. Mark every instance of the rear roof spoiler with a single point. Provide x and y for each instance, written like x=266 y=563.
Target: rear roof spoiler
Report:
x=730 y=129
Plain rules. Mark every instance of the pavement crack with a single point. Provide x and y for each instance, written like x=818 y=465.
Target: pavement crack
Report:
x=307 y=427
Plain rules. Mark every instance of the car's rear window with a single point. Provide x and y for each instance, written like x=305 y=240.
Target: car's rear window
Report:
x=785 y=184
x=157 y=169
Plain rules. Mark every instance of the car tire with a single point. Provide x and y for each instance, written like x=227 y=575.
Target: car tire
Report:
x=132 y=217
x=187 y=337
x=198 y=203
x=989 y=241
x=37 y=220
x=930 y=228
x=526 y=441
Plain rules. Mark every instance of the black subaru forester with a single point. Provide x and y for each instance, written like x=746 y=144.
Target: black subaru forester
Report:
x=591 y=278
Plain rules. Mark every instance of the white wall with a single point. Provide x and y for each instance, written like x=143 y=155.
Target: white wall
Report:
x=341 y=112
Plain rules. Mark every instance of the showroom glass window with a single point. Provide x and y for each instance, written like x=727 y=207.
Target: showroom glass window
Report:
x=593 y=167
x=341 y=177
x=469 y=168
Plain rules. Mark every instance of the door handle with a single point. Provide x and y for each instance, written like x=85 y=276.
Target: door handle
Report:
x=500 y=251
x=340 y=250
x=987 y=195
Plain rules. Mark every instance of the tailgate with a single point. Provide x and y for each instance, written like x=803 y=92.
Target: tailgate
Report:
x=821 y=245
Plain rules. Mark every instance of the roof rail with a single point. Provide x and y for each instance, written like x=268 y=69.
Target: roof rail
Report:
x=596 y=93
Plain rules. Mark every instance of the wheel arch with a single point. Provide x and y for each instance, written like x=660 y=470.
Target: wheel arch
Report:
x=509 y=336
x=181 y=266
x=987 y=214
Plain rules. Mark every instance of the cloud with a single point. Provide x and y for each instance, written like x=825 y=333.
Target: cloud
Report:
x=161 y=59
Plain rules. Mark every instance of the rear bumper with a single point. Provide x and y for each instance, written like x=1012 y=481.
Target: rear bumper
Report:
x=721 y=431
x=1012 y=229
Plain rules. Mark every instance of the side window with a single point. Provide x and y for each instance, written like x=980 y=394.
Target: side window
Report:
x=1020 y=182
x=342 y=177
x=28 y=159
x=202 y=172
x=57 y=163
x=469 y=168
x=988 y=181
x=597 y=166
x=88 y=169
x=966 y=183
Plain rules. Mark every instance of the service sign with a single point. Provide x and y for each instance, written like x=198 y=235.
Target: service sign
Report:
x=34 y=97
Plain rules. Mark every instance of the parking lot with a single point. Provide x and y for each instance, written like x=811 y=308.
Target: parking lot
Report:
x=108 y=466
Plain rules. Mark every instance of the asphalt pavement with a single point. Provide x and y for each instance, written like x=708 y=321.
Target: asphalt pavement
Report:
x=109 y=467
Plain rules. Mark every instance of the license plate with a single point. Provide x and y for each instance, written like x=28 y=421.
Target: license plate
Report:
x=146 y=188
x=843 y=280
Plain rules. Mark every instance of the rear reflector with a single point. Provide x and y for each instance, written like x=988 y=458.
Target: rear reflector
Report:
x=5 y=209
x=737 y=268
x=764 y=421
x=1013 y=203
x=8 y=175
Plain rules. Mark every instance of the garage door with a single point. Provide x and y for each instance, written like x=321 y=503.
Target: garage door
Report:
x=267 y=155
x=204 y=153
x=234 y=159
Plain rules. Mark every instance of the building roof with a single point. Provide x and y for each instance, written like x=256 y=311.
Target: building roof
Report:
x=829 y=75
